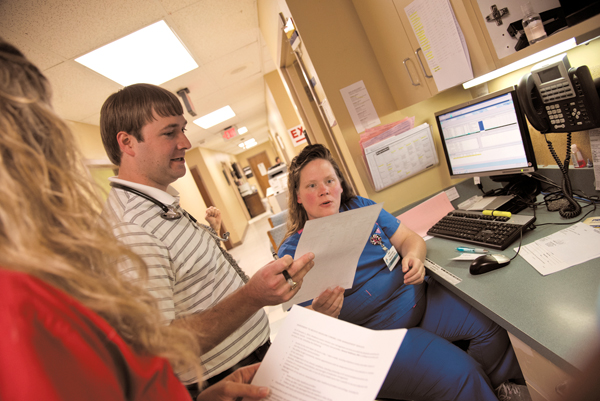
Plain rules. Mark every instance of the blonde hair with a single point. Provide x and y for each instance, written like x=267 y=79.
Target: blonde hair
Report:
x=297 y=216
x=50 y=223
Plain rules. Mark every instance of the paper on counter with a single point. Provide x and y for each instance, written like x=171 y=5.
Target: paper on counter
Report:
x=563 y=249
x=468 y=256
x=316 y=357
x=337 y=242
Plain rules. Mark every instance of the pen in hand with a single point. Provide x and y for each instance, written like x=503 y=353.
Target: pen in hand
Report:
x=288 y=278
x=472 y=250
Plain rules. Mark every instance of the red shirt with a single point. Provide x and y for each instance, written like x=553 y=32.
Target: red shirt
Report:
x=54 y=348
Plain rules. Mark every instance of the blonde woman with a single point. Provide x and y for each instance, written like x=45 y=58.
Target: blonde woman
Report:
x=70 y=327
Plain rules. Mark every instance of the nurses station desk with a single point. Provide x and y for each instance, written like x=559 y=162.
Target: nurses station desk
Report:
x=552 y=320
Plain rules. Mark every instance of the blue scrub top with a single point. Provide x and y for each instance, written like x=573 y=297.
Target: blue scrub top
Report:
x=371 y=261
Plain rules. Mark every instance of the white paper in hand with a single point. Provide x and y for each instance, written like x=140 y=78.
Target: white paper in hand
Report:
x=337 y=242
x=316 y=357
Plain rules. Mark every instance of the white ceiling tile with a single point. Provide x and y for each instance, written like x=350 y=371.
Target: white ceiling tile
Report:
x=234 y=67
x=78 y=92
x=42 y=58
x=73 y=28
x=214 y=28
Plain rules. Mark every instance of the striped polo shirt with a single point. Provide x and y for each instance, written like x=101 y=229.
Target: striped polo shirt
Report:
x=187 y=271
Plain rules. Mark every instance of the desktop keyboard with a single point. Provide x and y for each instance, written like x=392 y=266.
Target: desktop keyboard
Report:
x=496 y=232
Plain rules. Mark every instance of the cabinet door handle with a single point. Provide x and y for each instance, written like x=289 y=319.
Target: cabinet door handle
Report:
x=408 y=72
x=420 y=62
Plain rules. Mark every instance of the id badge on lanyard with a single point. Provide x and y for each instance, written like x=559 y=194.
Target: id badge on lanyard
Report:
x=391 y=257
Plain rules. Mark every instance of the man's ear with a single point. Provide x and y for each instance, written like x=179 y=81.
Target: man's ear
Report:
x=126 y=143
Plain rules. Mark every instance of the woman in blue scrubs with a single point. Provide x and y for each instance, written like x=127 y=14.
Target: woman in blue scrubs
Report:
x=390 y=291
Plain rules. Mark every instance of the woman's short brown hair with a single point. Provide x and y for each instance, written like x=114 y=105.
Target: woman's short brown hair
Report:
x=130 y=109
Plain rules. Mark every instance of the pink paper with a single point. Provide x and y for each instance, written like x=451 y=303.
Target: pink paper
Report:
x=423 y=216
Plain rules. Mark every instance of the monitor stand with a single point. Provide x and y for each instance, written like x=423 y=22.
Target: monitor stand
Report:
x=524 y=188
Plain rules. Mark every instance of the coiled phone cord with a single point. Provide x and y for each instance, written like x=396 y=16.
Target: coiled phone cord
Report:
x=573 y=209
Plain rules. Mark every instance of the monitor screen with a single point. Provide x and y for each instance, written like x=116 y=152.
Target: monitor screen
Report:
x=487 y=136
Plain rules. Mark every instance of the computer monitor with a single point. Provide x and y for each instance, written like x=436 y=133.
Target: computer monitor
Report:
x=487 y=136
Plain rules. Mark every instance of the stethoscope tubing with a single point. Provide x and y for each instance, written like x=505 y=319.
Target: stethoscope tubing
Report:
x=169 y=212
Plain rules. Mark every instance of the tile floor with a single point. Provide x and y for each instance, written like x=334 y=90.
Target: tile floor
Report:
x=254 y=253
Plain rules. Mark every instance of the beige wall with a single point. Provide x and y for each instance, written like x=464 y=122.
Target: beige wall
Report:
x=225 y=196
x=282 y=114
x=89 y=140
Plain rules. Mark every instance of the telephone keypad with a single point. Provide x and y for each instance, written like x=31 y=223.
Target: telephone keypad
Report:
x=556 y=92
x=572 y=113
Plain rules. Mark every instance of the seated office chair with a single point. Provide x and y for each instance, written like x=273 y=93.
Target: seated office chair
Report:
x=276 y=235
x=278 y=218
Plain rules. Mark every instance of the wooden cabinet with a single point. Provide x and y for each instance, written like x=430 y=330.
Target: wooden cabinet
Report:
x=544 y=379
x=394 y=51
x=254 y=204
x=397 y=48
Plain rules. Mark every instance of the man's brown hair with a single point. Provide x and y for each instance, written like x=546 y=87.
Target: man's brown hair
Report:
x=130 y=109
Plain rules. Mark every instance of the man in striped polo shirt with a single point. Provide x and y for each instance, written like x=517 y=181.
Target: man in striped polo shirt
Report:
x=196 y=286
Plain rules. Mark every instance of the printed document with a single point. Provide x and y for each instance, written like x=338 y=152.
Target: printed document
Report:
x=337 y=242
x=563 y=249
x=318 y=358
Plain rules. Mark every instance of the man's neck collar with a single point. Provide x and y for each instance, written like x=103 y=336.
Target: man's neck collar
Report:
x=167 y=197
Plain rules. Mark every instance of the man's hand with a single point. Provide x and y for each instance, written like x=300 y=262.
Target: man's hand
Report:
x=330 y=302
x=234 y=386
x=268 y=286
x=213 y=218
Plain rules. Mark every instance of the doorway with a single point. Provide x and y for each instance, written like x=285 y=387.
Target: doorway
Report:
x=208 y=201
x=263 y=180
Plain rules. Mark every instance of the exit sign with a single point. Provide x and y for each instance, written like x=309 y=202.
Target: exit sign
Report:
x=229 y=133
x=298 y=135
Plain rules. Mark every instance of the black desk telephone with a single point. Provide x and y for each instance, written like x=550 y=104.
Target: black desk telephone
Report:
x=559 y=98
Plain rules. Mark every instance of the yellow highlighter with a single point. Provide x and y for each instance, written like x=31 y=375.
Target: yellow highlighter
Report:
x=496 y=213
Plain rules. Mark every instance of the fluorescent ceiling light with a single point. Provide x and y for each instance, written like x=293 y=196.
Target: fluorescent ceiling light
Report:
x=248 y=144
x=534 y=58
x=242 y=130
x=214 y=118
x=153 y=55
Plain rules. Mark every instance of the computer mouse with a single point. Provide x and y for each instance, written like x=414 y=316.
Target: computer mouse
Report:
x=487 y=263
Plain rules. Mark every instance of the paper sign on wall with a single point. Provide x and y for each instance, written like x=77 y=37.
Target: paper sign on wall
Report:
x=298 y=135
x=359 y=105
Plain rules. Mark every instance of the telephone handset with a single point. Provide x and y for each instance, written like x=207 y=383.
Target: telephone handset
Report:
x=559 y=98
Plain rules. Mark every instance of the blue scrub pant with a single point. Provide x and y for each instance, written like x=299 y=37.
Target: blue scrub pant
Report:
x=428 y=366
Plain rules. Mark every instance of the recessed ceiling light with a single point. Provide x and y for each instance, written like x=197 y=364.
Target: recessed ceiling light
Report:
x=214 y=118
x=242 y=130
x=248 y=144
x=153 y=55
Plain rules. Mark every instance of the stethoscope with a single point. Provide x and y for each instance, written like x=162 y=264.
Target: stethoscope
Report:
x=170 y=212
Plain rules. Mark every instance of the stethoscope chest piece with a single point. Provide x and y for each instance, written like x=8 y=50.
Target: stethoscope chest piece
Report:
x=171 y=214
